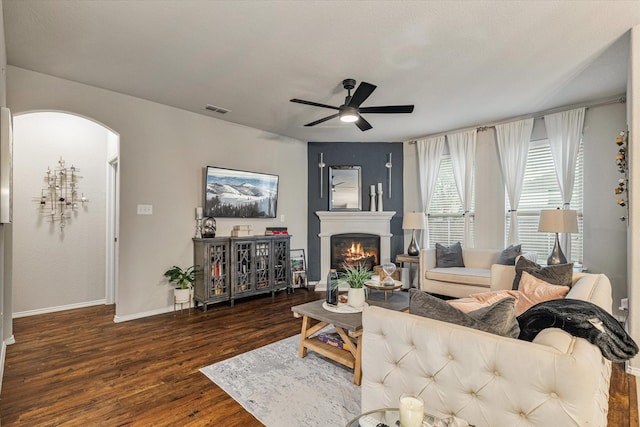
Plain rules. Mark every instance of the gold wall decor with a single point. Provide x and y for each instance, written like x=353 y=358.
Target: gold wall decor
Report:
x=621 y=191
x=60 y=196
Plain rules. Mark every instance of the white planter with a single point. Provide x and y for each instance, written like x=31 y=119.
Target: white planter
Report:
x=181 y=296
x=356 y=297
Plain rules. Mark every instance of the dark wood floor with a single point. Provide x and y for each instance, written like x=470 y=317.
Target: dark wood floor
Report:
x=78 y=368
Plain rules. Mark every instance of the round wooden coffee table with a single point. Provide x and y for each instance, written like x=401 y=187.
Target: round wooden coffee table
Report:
x=380 y=287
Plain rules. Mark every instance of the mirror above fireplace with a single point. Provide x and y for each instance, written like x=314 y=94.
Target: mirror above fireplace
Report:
x=344 y=188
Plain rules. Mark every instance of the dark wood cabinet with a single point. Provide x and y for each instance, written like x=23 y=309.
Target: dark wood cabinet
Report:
x=236 y=267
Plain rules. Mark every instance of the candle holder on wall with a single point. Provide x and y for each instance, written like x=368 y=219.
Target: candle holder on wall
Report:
x=59 y=197
x=321 y=165
x=388 y=165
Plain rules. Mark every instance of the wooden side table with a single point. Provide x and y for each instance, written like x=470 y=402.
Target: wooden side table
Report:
x=411 y=260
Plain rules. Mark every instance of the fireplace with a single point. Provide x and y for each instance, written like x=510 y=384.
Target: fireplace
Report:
x=365 y=222
x=353 y=249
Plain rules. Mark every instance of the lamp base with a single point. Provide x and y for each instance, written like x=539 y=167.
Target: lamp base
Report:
x=556 y=257
x=413 y=249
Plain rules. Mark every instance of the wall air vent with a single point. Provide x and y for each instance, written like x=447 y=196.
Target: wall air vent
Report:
x=215 y=109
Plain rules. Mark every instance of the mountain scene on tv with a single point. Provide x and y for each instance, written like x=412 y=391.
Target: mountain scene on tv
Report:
x=237 y=194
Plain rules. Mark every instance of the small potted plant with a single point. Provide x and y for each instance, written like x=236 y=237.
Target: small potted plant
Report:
x=355 y=278
x=183 y=280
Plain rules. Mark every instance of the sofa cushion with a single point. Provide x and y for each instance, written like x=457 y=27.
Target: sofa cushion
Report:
x=449 y=256
x=561 y=274
x=498 y=318
x=467 y=276
x=508 y=255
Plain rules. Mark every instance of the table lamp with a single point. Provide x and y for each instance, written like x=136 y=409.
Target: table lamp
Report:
x=413 y=221
x=558 y=221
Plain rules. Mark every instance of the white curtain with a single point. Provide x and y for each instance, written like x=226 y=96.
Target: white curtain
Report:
x=513 y=146
x=462 y=147
x=564 y=131
x=429 y=154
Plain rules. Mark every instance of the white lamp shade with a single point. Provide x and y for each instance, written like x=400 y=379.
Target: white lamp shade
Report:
x=558 y=221
x=413 y=221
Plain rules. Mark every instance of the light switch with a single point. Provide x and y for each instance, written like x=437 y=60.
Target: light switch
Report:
x=145 y=209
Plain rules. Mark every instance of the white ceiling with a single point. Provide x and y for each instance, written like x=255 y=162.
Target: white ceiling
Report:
x=461 y=63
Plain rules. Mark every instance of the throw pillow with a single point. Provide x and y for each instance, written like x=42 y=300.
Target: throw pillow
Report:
x=533 y=291
x=498 y=318
x=449 y=256
x=508 y=255
x=561 y=274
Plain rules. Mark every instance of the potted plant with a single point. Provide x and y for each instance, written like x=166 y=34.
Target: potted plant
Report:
x=355 y=278
x=183 y=280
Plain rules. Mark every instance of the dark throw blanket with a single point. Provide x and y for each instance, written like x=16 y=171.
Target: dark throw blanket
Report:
x=581 y=319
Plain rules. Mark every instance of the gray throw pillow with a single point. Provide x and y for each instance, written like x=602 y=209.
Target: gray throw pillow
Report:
x=508 y=255
x=449 y=256
x=561 y=274
x=498 y=318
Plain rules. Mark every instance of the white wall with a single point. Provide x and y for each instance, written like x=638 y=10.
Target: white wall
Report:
x=604 y=235
x=633 y=118
x=162 y=154
x=57 y=267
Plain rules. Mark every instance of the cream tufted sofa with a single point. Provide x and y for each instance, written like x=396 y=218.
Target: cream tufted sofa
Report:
x=488 y=380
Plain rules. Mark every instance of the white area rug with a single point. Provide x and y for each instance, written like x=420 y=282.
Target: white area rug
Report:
x=282 y=390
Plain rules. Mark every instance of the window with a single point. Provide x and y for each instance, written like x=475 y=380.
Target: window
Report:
x=446 y=222
x=540 y=190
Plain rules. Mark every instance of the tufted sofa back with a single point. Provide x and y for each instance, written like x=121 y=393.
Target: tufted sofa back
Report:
x=488 y=380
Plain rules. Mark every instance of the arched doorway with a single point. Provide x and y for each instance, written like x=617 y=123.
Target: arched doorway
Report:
x=70 y=263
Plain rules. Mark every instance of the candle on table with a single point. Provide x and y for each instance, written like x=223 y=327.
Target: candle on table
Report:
x=198 y=213
x=411 y=411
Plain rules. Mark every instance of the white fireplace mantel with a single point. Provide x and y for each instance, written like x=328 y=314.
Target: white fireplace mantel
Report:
x=339 y=222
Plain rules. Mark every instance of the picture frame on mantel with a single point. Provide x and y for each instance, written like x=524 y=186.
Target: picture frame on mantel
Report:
x=345 y=188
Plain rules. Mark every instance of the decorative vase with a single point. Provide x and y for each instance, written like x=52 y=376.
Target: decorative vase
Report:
x=181 y=296
x=332 y=287
x=356 y=297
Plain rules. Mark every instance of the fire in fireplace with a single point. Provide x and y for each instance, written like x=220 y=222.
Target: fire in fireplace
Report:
x=352 y=249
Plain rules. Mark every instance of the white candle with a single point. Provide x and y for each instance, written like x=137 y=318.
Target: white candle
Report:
x=372 y=189
x=198 y=213
x=411 y=411
x=379 y=186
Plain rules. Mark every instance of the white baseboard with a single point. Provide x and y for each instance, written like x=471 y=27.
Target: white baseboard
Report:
x=10 y=340
x=3 y=353
x=632 y=371
x=59 y=308
x=167 y=309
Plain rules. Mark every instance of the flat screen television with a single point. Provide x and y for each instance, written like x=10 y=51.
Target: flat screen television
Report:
x=230 y=193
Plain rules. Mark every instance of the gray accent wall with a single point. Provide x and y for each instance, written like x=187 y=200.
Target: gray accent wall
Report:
x=372 y=158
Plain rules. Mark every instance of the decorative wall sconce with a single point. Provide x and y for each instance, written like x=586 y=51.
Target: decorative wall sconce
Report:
x=321 y=166
x=621 y=162
x=59 y=197
x=388 y=165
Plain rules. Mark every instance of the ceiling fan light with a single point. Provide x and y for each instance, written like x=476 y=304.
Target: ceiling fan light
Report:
x=348 y=115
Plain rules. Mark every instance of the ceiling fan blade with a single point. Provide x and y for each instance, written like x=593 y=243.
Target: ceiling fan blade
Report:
x=363 y=124
x=333 y=116
x=361 y=94
x=315 y=104
x=388 y=109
